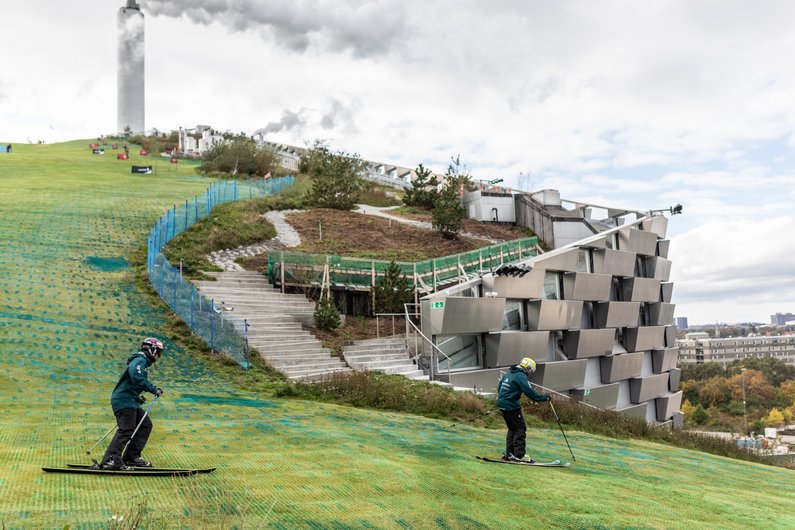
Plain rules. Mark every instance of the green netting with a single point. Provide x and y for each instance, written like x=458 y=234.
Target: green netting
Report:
x=222 y=332
x=355 y=273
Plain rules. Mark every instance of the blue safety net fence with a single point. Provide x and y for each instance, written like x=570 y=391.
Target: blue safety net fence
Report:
x=222 y=332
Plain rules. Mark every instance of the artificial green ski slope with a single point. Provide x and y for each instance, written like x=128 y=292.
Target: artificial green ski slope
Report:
x=69 y=317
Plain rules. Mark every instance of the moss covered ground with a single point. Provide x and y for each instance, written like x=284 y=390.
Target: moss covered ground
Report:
x=70 y=316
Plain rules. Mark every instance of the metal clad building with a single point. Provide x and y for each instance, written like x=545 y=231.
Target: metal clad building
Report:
x=131 y=86
x=596 y=315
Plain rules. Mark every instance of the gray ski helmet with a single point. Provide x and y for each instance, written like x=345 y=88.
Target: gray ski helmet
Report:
x=151 y=346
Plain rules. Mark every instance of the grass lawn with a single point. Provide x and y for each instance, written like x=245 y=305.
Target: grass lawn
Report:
x=70 y=315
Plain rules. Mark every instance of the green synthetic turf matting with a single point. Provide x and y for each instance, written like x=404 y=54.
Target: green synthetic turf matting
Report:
x=70 y=316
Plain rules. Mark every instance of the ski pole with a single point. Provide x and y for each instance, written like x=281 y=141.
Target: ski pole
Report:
x=140 y=422
x=103 y=437
x=561 y=429
x=473 y=419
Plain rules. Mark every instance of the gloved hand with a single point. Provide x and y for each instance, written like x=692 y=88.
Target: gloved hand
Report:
x=547 y=397
x=159 y=392
x=141 y=399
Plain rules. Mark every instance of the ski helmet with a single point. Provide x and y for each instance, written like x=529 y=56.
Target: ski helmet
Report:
x=151 y=347
x=528 y=364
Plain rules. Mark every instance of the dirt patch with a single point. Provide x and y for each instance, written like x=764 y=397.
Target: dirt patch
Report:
x=325 y=231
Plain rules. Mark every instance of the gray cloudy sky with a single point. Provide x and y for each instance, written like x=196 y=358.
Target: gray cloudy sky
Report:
x=617 y=102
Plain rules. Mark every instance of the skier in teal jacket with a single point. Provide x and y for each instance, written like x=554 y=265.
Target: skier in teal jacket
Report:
x=126 y=404
x=509 y=390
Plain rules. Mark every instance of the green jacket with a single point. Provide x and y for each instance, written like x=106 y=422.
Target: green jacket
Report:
x=132 y=382
x=512 y=386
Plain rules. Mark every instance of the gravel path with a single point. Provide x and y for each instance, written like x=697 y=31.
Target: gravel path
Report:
x=286 y=237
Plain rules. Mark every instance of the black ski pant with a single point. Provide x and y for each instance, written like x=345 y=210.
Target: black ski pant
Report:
x=517 y=432
x=128 y=420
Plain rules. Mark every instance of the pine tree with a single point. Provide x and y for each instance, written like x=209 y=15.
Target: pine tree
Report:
x=336 y=177
x=448 y=214
x=393 y=290
x=326 y=316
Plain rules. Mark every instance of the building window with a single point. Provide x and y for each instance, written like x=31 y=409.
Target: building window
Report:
x=552 y=285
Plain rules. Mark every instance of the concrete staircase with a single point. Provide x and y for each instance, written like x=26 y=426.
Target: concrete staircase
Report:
x=275 y=321
x=387 y=355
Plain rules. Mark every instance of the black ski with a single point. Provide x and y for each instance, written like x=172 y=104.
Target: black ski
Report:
x=150 y=469
x=87 y=470
x=554 y=463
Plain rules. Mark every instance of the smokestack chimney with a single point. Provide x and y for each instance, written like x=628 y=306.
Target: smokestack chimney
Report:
x=131 y=87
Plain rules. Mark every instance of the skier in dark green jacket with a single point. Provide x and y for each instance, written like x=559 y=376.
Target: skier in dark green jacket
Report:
x=126 y=404
x=509 y=391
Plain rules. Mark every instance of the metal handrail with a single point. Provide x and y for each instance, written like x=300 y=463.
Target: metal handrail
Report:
x=434 y=347
x=377 y=322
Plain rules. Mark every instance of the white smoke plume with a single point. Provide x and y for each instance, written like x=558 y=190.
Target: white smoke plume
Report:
x=365 y=27
x=131 y=38
x=290 y=120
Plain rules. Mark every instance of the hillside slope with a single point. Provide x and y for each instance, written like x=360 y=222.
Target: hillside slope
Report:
x=70 y=316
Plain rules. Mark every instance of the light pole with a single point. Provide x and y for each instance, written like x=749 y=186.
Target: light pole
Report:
x=745 y=414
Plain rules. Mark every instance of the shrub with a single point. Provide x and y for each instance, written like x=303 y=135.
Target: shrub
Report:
x=326 y=316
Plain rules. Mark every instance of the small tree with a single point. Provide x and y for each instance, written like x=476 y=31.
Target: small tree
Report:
x=336 y=177
x=448 y=214
x=326 y=316
x=423 y=191
x=392 y=291
x=458 y=174
x=239 y=155
x=775 y=418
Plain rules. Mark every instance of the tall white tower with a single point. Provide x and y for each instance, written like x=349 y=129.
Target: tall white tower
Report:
x=131 y=89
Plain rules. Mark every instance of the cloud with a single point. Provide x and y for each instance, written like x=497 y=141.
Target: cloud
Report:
x=735 y=260
x=366 y=28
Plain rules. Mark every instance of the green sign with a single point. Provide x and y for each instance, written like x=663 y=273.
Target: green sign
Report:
x=437 y=305
x=587 y=392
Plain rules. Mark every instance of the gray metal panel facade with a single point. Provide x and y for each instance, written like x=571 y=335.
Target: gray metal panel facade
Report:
x=617 y=314
x=668 y=405
x=554 y=314
x=560 y=375
x=584 y=343
x=565 y=261
x=529 y=286
x=587 y=286
x=614 y=262
x=637 y=241
x=641 y=290
x=509 y=347
x=604 y=396
x=644 y=338
x=673 y=379
x=621 y=367
x=480 y=380
x=472 y=315
x=664 y=360
x=599 y=333
x=657 y=225
x=661 y=314
x=663 y=245
x=647 y=388
x=666 y=292
x=635 y=411
x=658 y=268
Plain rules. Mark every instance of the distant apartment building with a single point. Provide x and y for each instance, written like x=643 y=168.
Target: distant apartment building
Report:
x=782 y=319
x=681 y=323
x=697 y=348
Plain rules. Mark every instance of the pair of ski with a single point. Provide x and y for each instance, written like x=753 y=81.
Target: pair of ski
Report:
x=554 y=463
x=134 y=471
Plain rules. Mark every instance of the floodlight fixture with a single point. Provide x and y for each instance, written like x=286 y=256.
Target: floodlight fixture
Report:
x=673 y=210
